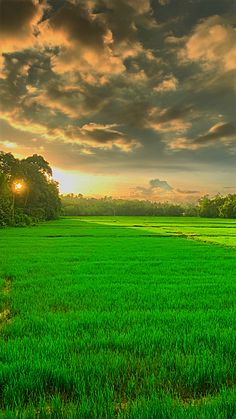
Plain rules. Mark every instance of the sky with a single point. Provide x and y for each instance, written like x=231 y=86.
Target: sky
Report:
x=126 y=98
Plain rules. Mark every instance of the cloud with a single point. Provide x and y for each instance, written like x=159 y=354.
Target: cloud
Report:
x=181 y=143
x=95 y=34
x=163 y=2
x=167 y=85
x=229 y=187
x=123 y=18
x=219 y=133
x=156 y=186
x=175 y=118
x=75 y=21
x=83 y=40
x=90 y=137
x=160 y=184
x=97 y=136
x=68 y=99
x=161 y=190
x=212 y=43
x=8 y=145
x=187 y=192
x=18 y=23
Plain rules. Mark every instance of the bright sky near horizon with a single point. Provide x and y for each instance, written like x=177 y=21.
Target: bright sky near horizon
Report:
x=126 y=98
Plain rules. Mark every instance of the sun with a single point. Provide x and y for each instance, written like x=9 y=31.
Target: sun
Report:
x=76 y=182
x=18 y=186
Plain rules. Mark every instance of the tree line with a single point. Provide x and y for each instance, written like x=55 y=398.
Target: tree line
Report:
x=74 y=205
x=218 y=206
x=28 y=192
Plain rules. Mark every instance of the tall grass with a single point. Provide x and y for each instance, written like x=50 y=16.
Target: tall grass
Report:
x=111 y=320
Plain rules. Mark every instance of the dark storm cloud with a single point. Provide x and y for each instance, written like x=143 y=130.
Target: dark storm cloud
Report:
x=16 y=15
x=124 y=16
x=129 y=84
x=19 y=21
x=77 y=22
x=180 y=16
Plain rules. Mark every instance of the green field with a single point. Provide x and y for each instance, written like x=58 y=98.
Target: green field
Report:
x=118 y=317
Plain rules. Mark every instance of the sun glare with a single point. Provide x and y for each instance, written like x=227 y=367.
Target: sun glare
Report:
x=74 y=182
x=18 y=186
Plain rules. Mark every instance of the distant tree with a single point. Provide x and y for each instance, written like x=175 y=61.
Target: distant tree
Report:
x=191 y=211
x=209 y=207
x=228 y=207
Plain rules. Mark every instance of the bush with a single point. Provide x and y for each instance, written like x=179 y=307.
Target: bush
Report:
x=22 y=220
x=5 y=212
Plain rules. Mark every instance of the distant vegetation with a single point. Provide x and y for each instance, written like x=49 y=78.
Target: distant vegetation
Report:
x=218 y=206
x=73 y=205
x=27 y=191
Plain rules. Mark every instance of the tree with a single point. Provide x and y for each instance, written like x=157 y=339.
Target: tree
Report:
x=228 y=207
x=5 y=200
x=218 y=206
x=40 y=197
x=208 y=207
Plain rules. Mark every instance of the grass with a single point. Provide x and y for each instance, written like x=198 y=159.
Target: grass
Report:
x=118 y=317
x=217 y=231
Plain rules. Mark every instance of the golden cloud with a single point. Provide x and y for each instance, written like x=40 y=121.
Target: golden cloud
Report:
x=89 y=136
x=219 y=133
x=168 y=120
x=213 y=42
x=169 y=84
x=83 y=39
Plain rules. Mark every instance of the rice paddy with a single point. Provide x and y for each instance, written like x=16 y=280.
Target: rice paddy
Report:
x=118 y=317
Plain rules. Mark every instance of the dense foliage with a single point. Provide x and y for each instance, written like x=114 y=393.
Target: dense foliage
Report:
x=78 y=205
x=218 y=206
x=27 y=191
